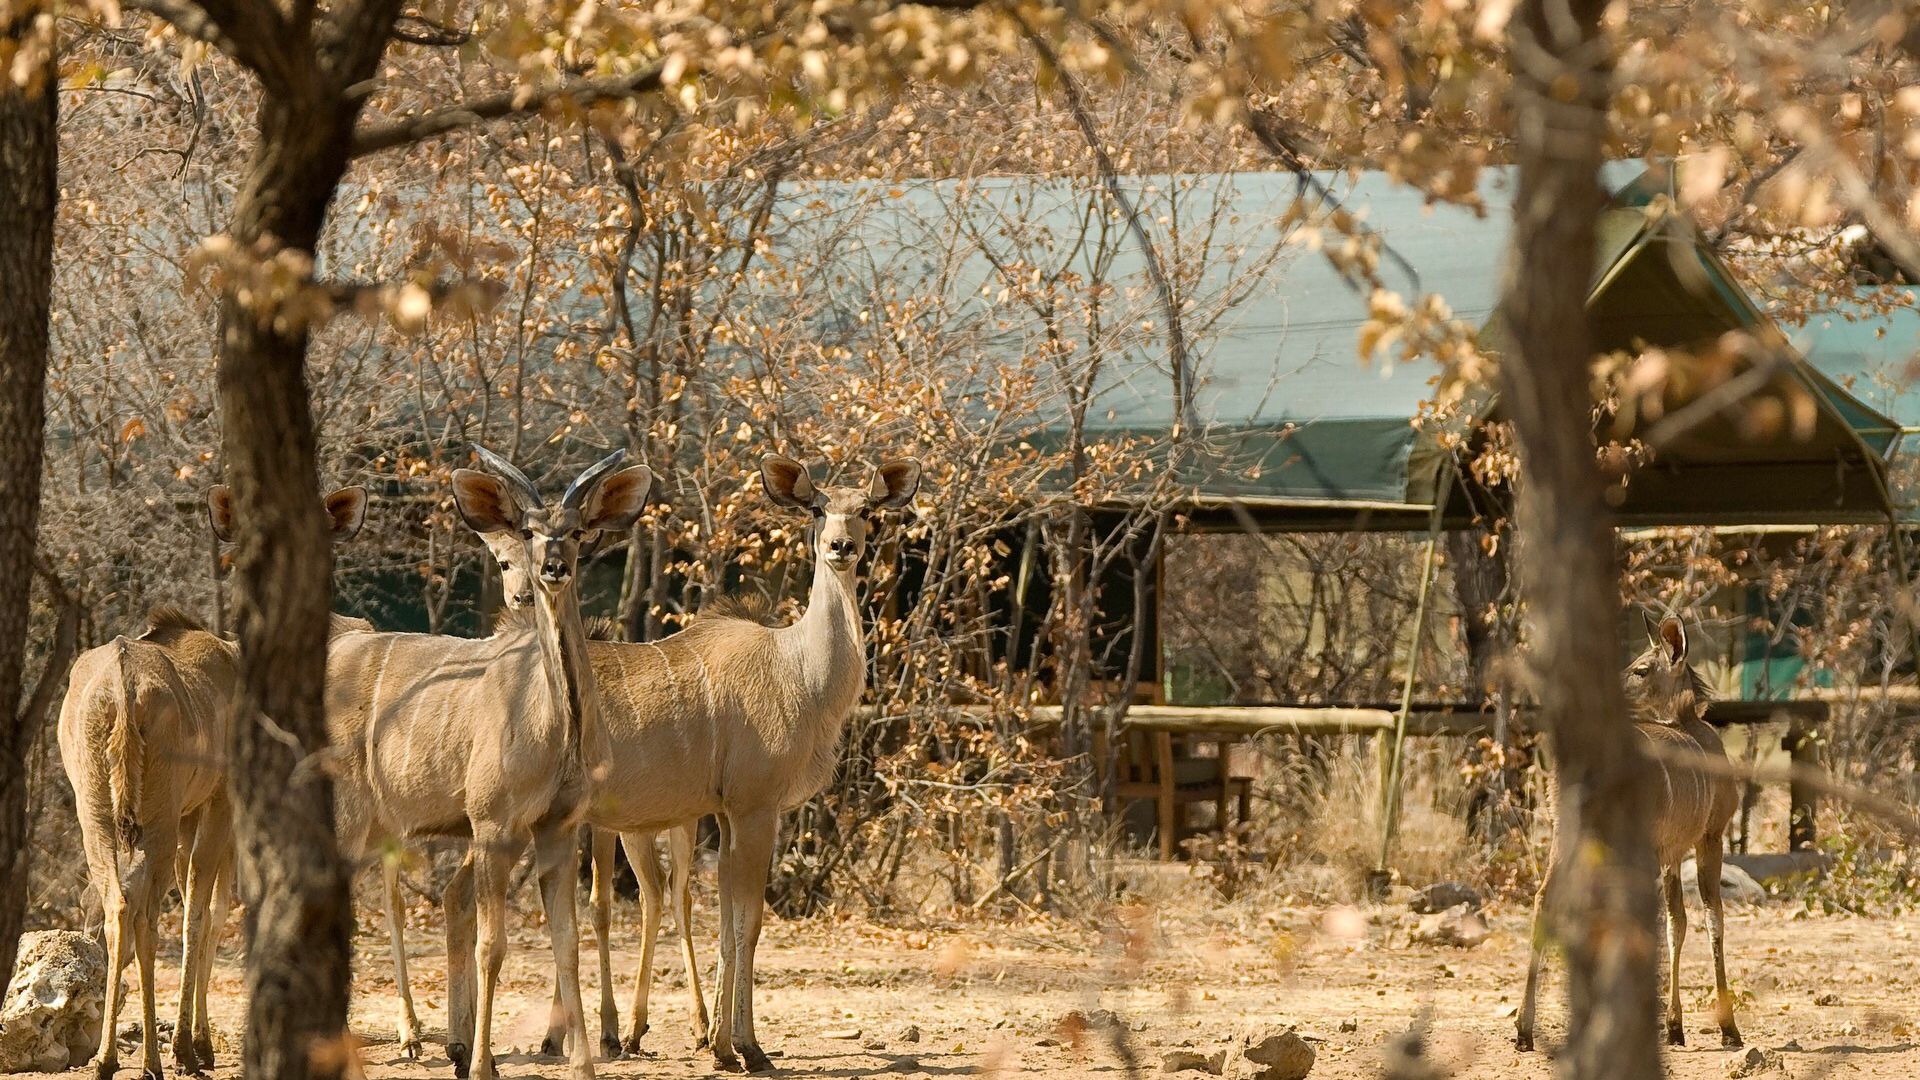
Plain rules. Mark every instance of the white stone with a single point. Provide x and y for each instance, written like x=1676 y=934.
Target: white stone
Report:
x=50 y=1018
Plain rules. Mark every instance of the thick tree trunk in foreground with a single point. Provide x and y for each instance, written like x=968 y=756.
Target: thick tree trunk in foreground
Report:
x=1603 y=909
x=296 y=887
x=29 y=137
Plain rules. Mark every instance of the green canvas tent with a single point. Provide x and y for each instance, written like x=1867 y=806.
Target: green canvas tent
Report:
x=1292 y=428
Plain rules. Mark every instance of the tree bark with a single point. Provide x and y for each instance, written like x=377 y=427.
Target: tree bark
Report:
x=294 y=882
x=29 y=138
x=1601 y=906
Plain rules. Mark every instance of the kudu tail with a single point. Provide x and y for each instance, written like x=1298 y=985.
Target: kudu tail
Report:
x=126 y=753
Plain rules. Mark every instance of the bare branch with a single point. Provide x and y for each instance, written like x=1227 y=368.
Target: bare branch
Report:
x=420 y=30
x=428 y=125
x=253 y=34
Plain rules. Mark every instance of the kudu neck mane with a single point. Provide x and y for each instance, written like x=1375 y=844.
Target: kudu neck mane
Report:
x=1688 y=701
x=561 y=632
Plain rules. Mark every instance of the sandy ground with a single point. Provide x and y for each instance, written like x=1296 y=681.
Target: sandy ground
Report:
x=836 y=998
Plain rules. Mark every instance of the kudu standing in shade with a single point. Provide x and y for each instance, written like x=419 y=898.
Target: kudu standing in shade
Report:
x=496 y=740
x=143 y=738
x=740 y=720
x=1690 y=810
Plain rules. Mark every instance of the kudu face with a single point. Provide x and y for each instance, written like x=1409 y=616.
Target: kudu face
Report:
x=1660 y=677
x=516 y=581
x=538 y=543
x=843 y=517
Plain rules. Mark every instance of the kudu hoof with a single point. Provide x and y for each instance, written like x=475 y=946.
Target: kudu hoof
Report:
x=203 y=1052
x=726 y=1061
x=1730 y=1039
x=462 y=1057
x=1523 y=1042
x=153 y=1072
x=609 y=1045
x=757 y=1060
x=553 y=1047
x=104 y=1070
x=1676 y=1034
x=701 y=1040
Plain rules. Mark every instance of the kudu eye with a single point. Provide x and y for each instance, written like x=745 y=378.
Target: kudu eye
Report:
x=526 y=534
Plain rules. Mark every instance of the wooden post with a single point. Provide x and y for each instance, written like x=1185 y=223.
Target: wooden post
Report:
x=1168 y=809
x=1393 y=759
x=1801 y=744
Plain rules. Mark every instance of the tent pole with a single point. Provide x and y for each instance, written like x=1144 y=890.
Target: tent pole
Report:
x=1390 y=786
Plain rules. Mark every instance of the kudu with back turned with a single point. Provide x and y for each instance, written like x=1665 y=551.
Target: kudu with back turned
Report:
x=497 y=740
x=143 y=738
x=1691 y=806
x=740 y=720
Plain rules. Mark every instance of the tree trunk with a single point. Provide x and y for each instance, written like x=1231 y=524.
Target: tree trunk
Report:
x=1602 y=907
x=29 y=138
x=299 y=913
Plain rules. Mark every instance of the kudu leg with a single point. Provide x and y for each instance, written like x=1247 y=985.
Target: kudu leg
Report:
x=680 y=848
x=753 y=862
x=557 y=855
x=720 y=1038
x=1676 y=937
x=409 y=1026
x=554 y=1043
x=602 y=899
x=218 y=906
x=209 y=849
x=145 y=913
x=646 y=868
x=457 y=907
x=119 y=934
x=1707 y=859
x=1536 y=956
x=493 y=855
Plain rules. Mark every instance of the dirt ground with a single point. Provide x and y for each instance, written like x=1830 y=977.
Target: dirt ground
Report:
x=836 y=998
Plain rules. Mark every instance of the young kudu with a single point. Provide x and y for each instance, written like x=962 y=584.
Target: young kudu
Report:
x=497 y=740
x=1691 y=808
x=743 y=721
x=143 y=735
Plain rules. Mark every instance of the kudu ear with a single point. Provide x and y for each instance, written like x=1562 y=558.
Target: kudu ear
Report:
x=220 y=512
x=1673 y=638
x=484 y=502
x=787 y=482
x=347 y=510
x=617 y=502
x=893 y=484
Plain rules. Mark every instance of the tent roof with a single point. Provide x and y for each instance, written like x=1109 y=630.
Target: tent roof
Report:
x=1868 y=352
x=1294 y=427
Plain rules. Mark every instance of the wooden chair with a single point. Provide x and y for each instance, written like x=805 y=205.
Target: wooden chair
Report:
x=1159 y=765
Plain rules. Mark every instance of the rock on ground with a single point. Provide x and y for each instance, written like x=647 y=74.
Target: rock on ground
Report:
x=50 y=1017
x=1736 y=885
x=1442 y=895
x=1193 y=1061
x=1285 y=1056
x=1457 y=926
x=1751 y=1061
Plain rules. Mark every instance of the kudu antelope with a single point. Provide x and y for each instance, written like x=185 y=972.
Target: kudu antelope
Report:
x=497 y=740
x=516 y=590
x=740 y=720
x=1691 y=807
x=143 y=735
